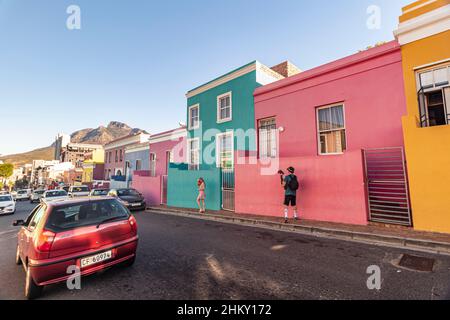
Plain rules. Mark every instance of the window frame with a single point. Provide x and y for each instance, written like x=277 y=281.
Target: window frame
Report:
x=218 y=136
x=190 y=126
x=260 y=156
x=189 y=150
x=230 y=118
x=152 y=164
x=318 y=132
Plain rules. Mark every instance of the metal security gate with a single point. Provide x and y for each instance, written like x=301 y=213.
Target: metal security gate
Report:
x=228 y=189
x=387 y=186
x=164 y=189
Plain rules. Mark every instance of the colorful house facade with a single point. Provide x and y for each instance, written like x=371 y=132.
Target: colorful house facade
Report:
x=220 y=121
x=424 y=36
x=164 y=148
x=93 y=166
x=137 y=158
x=340 y=126
x=115 y=154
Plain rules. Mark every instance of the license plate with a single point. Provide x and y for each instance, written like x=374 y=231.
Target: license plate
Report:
x=85 y=262
x=135 y=204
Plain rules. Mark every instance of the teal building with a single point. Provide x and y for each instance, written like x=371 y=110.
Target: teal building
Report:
x=220 y=124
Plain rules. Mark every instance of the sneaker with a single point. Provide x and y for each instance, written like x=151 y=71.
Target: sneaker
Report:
x=286 y=221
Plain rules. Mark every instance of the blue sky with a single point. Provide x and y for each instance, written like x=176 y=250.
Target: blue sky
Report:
x=133 y=61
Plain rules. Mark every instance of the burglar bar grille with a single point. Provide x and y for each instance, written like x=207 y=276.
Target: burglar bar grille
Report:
x=228 y=189
x=387 y=186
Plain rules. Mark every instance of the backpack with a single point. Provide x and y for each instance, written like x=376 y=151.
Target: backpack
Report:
x=293 y=183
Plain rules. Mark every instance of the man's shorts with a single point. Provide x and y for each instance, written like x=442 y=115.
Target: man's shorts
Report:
x=290 y=200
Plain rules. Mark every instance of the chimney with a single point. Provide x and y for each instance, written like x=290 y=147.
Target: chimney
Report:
x=286 y=69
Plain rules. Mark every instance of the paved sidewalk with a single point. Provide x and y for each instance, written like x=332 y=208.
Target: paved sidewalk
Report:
x=379 y=234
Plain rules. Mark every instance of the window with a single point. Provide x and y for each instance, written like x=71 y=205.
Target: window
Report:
x=194 y=117
x=224 y=108
x=71 y=216
x=434 y=96
x=37 y=217
x=169 y=159
x=153 y=164
x=138 y=165
x=110 y=157
x=117 y=158
x=193 y=154
x=224 y=150
x=267 y=138
x=120 y=155
x=331 y=130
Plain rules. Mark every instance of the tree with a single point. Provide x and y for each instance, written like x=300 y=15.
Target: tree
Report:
x=6 y=171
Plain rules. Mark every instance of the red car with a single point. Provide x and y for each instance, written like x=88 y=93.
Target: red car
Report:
x=92 y=234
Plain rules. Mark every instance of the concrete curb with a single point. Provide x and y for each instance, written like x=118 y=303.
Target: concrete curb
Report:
x=428 y=246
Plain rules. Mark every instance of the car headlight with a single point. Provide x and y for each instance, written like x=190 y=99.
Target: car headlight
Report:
x=10 y=206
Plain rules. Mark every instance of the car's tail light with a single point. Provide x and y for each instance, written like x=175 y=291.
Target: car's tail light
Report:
x=45 y=241
x=133 y=223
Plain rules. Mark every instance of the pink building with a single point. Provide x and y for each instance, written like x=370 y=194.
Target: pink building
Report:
x=321 y=122
x=115 y=154
x=166 y=147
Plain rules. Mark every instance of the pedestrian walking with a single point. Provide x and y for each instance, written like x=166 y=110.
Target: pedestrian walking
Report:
x=291 y=185
x=201 y=195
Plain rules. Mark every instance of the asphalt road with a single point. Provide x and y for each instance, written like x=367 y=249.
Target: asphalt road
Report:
x=182 y=258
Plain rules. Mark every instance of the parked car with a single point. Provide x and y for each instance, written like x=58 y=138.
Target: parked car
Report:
x=78 y=191
x=37 y=195
x=99 y=192
x=24 y=194
x=52 y=195
x=7 y=204
x=130 y=198
x=92 y=234
x=13 y=194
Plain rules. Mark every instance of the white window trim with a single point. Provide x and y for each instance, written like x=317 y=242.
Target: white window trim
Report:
x=258 y=140
x=229 y=133
x=319 y=152
x=419 y=72
x=189 y=151
x=230 y=118
x=190 y=127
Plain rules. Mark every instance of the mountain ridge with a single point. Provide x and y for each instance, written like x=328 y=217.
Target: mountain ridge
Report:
x=100 y=135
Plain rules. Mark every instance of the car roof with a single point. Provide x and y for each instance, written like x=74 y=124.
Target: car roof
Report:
x=75 y=201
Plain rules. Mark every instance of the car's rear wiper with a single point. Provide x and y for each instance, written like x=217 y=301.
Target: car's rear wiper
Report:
x=110 y=219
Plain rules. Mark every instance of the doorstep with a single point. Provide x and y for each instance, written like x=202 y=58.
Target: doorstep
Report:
x=378 y=234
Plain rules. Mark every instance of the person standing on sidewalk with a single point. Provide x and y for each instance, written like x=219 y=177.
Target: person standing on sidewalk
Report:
x=290 y=185
x=201 y=195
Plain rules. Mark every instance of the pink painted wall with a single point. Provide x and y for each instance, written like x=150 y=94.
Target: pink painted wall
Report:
x=370 y=85
x=160 y=148
x=150 y=187
x=332 y=188
x=112 y=164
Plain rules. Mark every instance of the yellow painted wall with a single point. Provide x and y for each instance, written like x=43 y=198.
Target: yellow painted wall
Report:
x=427 y=149
x=87 y=174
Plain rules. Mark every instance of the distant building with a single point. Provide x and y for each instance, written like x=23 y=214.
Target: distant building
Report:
x=93 y=166
x=61 y=141
x=76 y=153
x=115 y=154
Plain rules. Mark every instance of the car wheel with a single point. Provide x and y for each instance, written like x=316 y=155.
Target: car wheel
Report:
x=18 y=260
x=32 y=290
x=129 y=262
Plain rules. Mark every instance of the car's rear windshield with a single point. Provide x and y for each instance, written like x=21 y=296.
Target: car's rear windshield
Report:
x=39 y=191
x=5 y=198
x=56 y=193
x=80 y=189
x=21 y=191
x=100 y=192
x=71 y=216
x=127 y=192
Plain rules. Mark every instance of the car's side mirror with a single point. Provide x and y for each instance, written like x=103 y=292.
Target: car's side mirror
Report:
x=17 y=223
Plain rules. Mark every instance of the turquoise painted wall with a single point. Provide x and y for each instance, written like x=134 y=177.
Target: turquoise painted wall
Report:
x=182 y=183
x=183 y=190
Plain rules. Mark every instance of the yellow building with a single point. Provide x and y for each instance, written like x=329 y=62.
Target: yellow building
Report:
x=424 y=34
x=93 y=166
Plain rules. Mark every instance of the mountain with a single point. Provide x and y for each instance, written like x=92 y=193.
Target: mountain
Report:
x=101 y=135
x=21 y=159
